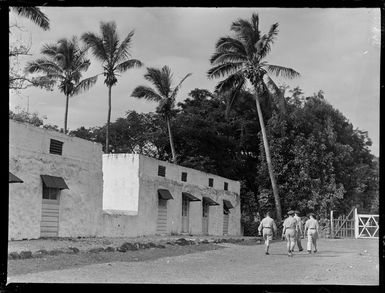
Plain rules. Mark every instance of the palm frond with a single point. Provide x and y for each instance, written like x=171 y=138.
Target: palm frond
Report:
x=227 y=57
x=110 y=39
x=122 y=52
x=282 y=71
x=34 y=14
x=224 y=69
x=49 y=50
x=160 y=78
x=236 y=80
x=96 y=44
x=176 y=89
x=84 y=85
x=225 y=44
x=147 y=93
x=268 y=41
x=124 y=66
x=43 y=65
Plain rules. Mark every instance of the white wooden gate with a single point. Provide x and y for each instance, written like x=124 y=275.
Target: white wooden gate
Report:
x=366 y=226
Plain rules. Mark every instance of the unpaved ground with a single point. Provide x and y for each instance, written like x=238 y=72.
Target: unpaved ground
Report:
x=346 y=262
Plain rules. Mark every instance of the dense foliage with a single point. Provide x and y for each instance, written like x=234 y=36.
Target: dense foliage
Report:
x=320 y=160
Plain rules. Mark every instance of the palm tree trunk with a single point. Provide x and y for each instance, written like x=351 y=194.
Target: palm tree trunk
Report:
x=268 y=159
x=108 y=119
x=66 y=114
x=171 y=140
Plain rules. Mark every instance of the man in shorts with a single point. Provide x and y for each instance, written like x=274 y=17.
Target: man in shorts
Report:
x=268 y=228
x=298 y=232
x=289 y=227
x=311 y=227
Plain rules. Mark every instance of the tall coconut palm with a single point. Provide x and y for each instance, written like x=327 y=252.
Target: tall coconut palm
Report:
x=241 y=59
x=34 y=14
x=63 y=63
x=163 y=93
x=114 y=56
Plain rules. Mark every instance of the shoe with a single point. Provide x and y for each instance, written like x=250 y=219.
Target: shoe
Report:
x=315 y=250
x=301 y=250
x=309 y=251
x=267 y=253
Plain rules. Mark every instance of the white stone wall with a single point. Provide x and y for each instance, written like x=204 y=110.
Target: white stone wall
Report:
x=81 y=167
x=197 y=184
x=120 y=182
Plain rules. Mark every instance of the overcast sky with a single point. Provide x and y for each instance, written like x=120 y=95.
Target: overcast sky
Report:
x=336 y=50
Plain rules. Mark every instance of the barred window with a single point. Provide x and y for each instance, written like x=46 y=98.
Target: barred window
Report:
x=56 y=147
x=162 y=171
x=226 y=186
x=184 y=176
x=211 y=182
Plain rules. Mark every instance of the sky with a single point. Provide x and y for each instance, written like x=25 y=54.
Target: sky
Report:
x=336 y=50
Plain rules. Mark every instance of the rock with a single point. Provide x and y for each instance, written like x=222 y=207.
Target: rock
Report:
x=109 y=249
x=74 y=249
x=40 y=253
x=170 y=243
x=13 y=255
x=96 y=250
x=151 y=244
x=204 y=241
x=106 y=242
x=128 y=246
x=160 y=246
x=25 y=254
x=55 y=252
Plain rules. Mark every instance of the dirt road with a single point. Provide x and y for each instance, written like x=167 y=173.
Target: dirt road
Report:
x=348 y=262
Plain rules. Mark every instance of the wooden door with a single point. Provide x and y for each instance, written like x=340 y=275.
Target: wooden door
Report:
x=225 y=222
x=205 y=218
x=161 y=224
x=185 y=215
x=49 y=225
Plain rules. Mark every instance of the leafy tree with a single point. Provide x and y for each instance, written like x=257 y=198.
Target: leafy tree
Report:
x=64 y=63
x=241 y=59
x=24 y=116
x=164 y=94
x=18 y=80
x=114 y=56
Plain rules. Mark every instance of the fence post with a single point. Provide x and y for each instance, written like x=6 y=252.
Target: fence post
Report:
x=331 y=225
x=355 y=223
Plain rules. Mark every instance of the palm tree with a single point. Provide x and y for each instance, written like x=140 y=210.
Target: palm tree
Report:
x=63 y=63
x=241 y=59
x=114 y=56
x=34 y=14
x=163 y=93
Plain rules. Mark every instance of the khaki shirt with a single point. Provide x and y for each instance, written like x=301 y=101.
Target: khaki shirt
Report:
x=299 y=227
x=268 y=223
x=290 y=223
x=311 y=224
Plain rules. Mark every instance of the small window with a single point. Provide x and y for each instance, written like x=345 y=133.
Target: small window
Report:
x=226 y=211
x=162 y=171
x=56 y=147
x=226 y=186
x=211 y=182
x=184 y=176
x=50 y=193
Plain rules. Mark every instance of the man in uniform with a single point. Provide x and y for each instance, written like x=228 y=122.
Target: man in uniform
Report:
x=268 y=228
x=311 y=227
x=298 y=232
x=289 y=227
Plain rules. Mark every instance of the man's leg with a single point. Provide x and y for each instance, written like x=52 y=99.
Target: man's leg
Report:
x=309 y=242
x=299 y=242
x=315 y=242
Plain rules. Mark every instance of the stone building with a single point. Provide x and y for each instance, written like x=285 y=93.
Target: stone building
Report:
x=145 y=196
x=66 y=187
x=62 y=189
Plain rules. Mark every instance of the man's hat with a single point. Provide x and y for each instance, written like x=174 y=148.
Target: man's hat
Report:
x=296 y=212
x=290 y=212
x=311 y=214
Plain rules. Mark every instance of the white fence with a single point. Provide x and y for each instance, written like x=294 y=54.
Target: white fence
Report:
x=366 y=226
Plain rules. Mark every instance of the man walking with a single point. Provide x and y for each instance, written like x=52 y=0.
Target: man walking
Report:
x=311 y=227
x=298 y=232
x=289 y=227
x=268 y=228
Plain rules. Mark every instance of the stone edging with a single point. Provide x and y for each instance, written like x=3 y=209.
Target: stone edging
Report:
x=126 y=246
